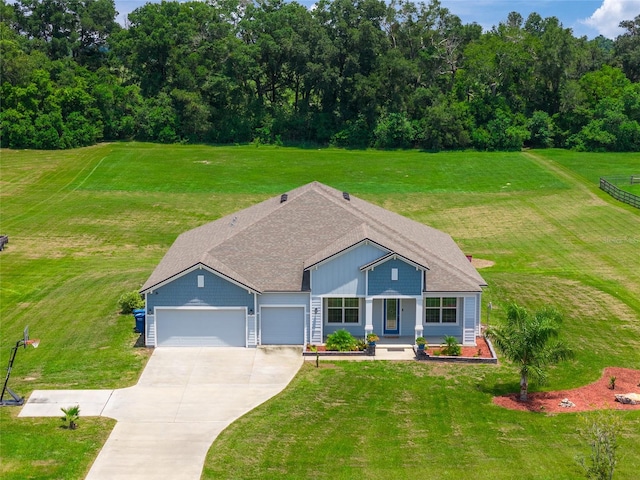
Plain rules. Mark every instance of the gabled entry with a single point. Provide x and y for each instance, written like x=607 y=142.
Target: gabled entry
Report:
x=391 y=317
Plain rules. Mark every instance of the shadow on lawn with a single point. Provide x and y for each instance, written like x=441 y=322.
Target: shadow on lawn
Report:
x=499 y=387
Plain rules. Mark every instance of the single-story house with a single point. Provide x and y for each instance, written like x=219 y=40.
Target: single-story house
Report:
x=299 y=266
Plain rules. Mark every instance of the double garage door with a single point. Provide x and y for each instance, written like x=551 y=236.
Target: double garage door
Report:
x=221 y=327
x=197 y=327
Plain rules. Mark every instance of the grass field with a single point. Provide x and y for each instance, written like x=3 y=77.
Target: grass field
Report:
x=87 y=225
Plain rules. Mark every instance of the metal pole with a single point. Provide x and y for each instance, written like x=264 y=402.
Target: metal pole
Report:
x=6 y=380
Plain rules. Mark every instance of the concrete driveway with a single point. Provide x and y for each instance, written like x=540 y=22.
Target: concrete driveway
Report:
x=185 y=397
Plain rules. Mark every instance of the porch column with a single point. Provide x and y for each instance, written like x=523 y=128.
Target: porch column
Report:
x=419 y=313
x=368 y=316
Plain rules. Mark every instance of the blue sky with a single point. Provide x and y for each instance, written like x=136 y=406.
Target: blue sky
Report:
x=584 y=17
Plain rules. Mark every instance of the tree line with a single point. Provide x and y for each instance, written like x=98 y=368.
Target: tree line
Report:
x=347 y=73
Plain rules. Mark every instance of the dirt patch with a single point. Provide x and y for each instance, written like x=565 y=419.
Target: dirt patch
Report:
x=594 y=396
x=481 y=263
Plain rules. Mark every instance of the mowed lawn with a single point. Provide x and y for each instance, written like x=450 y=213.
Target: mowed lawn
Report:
x=87 y=225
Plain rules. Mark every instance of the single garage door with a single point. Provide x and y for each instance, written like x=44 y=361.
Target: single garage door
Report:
x=282 y=325
x=197 y=327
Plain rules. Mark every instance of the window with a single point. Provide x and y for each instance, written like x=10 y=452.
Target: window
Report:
x=394 y=274
x=343 y=310
x=200 y=281
x=441 y=310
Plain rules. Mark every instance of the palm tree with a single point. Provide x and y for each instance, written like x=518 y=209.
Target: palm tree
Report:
x=530 y=341
x=71 y=416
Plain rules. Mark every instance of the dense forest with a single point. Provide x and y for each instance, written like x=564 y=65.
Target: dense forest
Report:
x=347 y=73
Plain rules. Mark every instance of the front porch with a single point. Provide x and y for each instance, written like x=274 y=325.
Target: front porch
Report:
x=407 y=341
x=403 y=348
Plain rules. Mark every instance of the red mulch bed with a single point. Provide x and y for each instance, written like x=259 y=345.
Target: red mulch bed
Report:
x=590 y=397
x=481 y=351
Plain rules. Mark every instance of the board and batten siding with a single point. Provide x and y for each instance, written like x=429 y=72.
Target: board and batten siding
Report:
x=284 y=298
x=184 y=291
x=408 y=282
x=341 y=275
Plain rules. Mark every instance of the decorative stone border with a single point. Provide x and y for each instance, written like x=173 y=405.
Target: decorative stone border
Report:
x=334 y=354
x=447 y=359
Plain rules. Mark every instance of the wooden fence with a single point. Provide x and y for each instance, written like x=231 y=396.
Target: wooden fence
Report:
x=608 y=184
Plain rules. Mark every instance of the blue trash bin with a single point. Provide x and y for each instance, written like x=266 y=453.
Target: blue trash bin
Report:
x=140 y=321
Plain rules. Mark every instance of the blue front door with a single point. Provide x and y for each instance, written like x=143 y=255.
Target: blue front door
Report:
x=391 y=316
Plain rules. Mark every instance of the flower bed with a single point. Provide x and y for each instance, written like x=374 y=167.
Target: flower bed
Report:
x=594 y=396
x=482 y=353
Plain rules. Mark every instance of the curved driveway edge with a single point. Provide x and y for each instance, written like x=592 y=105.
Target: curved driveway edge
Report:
x=185 y=397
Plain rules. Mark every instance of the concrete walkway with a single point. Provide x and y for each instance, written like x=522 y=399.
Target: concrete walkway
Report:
x=185 y=397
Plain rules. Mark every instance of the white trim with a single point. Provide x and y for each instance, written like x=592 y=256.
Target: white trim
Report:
x=393 y=256
x=459 y=311
x=325 y=310
x=398 y=315
x=391 y=295
x=199 y=307
x=199 y=266
x=335 y=255
x=366 y=283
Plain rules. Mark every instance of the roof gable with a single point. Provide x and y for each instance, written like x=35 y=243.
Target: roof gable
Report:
x=267 y=246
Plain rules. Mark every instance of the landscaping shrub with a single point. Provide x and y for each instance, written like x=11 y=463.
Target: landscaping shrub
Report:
x=129 y=301
x=451 y=348
x=341 y=341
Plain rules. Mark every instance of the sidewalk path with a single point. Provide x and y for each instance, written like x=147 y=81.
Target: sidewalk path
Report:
x=185 y=397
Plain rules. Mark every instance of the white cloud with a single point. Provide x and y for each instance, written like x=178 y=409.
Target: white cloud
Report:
x=607 y=18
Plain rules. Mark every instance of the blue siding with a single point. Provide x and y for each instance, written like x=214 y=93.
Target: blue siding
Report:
x=355 y=330
x=184 y=291
x=407 y=316
x=301 y=299
x=342 y=275
x=442 y=329
x=409 y=279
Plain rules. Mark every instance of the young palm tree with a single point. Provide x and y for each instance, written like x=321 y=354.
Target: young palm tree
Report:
x=71 y=416
x=530 y=341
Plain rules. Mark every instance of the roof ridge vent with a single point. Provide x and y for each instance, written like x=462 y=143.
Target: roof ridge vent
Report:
x=346 y=196
x=283 y=197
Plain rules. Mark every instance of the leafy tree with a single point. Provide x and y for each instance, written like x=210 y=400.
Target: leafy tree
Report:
x=541 y=129
x=627 y=48
x=65 y=28
x=531 y=342
x=393 y=131
x=445 y=125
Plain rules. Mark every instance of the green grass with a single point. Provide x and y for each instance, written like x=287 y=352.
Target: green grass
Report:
x=396 y=420
x=42 y=448
x=86 y=225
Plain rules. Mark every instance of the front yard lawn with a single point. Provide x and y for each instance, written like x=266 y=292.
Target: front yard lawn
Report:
x=396 y=420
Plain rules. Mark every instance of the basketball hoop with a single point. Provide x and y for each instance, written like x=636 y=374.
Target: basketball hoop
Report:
x=23 y=342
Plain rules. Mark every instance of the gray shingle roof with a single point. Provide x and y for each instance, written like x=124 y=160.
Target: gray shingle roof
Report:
x=267 y=247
